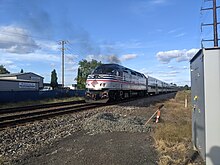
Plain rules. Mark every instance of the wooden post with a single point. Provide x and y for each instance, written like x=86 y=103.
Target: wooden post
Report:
x=186 y=101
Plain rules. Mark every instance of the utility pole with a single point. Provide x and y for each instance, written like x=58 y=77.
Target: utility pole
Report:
x=62 y=50
x=214 y=24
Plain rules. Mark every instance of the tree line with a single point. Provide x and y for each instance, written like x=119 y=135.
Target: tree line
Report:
x=85 y=68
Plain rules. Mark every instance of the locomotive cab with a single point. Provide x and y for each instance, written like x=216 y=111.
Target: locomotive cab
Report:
x=113 y=82
x=102 y=81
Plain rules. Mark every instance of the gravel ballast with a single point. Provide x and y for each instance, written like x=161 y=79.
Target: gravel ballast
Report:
x=113 y=122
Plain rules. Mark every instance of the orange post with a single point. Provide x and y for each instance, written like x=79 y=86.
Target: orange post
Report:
x=158 y=112
x=158 y=116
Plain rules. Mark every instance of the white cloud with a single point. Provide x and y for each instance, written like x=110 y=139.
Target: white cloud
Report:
x=179 y=55
x=158 y=1
x=180 y=35
x=34 y=57
x=175 y=30
x=8 y=64
x=172 y=74
x=133 y=44
x=141 y=7
x=178 y=67
x=167 y=74
x=185 y=67
x=71 y=63
x=146 y=71
x=128 y=57
x=49 y=45
x=16 y=40
x=70 y=59
x=71 y=68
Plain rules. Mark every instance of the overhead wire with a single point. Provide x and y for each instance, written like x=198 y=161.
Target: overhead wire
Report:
x=18 y=43
x=74 y=49
x=25 y=35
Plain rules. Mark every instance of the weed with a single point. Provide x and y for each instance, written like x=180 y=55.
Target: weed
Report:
x=173 y=135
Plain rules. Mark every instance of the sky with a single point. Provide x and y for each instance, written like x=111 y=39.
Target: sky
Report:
x=154 y=37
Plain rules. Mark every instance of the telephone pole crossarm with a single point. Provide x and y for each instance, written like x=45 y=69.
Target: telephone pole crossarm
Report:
x=214 y=24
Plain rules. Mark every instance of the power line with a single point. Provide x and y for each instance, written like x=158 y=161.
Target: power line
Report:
x=23 y=35
x=18 y=43
x=74 y=49
x=34 y=43
x=9 y=33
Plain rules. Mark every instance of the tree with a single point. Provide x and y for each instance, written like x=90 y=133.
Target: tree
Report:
x=22 y=71
x=3 y=70
x=85 y=68
x=53 y=82
x=186 y=87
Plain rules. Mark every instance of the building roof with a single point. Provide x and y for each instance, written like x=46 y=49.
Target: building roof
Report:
x=18 y=80
x=17 y=74
x=200 y=52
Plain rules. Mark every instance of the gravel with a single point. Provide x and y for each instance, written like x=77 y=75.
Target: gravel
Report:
x=127 y=117
x=114 y=122
x=22 y=139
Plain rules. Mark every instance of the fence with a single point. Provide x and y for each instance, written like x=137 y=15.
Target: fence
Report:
x=16 y=96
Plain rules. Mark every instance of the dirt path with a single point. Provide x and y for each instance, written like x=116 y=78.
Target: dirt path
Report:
x=107 y=148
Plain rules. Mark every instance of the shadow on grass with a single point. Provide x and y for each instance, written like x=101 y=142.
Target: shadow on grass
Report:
x=192 y=157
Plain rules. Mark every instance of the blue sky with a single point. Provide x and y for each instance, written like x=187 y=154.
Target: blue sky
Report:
x=155 y=37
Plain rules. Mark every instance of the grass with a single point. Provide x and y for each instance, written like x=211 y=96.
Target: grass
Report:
x=45 y=101
x=173 y=135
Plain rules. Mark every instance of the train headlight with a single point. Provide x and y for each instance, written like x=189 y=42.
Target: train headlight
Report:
x=104 y=84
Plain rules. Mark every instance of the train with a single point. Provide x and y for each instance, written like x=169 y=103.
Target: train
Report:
x=115 y=82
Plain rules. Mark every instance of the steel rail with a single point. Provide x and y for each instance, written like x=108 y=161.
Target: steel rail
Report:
x=33 y=107
x=28 y=117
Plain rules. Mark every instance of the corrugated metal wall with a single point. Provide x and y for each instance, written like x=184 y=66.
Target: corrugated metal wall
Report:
x=16 y=96
x=6 y=85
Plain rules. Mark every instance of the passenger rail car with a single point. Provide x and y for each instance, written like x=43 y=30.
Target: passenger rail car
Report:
x=113 y=81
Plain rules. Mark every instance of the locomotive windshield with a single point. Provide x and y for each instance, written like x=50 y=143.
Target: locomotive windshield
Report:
x=106 y=69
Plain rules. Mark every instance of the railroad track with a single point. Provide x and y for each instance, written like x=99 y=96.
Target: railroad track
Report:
x=20 y=115
x=32 y=107
x=15 y=116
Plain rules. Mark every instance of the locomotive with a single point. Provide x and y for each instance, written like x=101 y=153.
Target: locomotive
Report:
x=113 y=82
